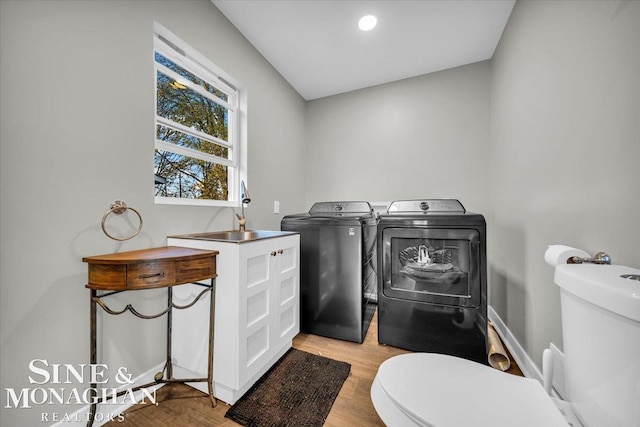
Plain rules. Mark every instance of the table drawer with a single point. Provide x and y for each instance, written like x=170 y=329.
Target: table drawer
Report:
x=151 y=274
x=108 y=277
x=193 y=270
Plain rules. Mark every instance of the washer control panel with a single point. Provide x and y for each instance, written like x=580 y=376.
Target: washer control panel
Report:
x=323 y=208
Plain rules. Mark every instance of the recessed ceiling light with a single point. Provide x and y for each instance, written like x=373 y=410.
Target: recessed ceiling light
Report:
x=367 y=22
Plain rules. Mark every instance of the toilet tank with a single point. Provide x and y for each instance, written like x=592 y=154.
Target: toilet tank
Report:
x=601 y=334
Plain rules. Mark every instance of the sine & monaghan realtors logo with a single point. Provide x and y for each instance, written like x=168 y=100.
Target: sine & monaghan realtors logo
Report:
x=57 y=384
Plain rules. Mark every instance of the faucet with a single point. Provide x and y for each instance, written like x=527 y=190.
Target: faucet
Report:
x=245 y=198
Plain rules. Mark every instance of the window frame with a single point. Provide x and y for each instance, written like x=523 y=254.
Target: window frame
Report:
x=174 y=49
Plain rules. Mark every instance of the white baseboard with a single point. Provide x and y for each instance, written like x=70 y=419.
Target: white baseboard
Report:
x=106 y=412
x=529 y=369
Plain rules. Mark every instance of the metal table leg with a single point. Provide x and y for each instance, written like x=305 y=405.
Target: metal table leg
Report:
x=169 y=365
x=212 y=321
x=93 y=352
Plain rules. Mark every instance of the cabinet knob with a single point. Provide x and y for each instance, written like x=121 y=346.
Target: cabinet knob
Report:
x=273 y=253
x=280 y=251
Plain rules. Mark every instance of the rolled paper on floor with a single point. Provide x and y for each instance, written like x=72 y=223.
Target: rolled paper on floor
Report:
x=560 y=254
x=497 y=355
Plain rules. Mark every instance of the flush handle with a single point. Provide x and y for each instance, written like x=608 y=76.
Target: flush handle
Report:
x=599 y=258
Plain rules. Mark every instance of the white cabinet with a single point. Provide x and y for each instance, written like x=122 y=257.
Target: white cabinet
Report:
x=257 y=313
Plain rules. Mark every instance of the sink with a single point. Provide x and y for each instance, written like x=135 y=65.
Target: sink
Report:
x=235 y=236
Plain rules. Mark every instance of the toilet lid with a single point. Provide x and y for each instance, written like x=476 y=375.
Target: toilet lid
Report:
x=445 y=391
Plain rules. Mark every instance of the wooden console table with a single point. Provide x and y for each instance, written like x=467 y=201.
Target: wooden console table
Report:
x=162 y=267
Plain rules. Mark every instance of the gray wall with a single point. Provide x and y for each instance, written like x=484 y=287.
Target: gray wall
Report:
x=565 y=146
x=77 y=132
x=423 y=137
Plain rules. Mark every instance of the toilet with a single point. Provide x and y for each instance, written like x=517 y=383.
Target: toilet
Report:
x=601 y=332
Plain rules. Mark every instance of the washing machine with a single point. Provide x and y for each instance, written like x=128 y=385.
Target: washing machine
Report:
x=432 y=283
x=338 y=274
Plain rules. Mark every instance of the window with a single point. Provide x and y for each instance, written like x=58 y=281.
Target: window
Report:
x=197 y=128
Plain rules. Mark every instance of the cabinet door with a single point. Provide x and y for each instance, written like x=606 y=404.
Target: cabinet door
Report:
x=269 y=315
x=256 y=307
x=287 y=287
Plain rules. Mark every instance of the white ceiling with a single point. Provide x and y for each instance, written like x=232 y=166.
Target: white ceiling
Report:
x=317 y=46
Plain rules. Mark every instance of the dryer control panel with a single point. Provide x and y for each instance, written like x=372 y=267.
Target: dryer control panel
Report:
x=426 y=206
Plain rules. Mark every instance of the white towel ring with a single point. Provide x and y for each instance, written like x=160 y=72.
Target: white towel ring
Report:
x=119 y=207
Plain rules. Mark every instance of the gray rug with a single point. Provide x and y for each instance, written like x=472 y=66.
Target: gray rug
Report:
x=298 y=390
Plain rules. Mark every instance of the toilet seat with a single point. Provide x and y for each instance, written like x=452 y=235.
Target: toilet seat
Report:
x=436 y=390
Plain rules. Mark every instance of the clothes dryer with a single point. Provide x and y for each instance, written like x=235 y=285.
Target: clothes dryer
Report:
x=432 y=285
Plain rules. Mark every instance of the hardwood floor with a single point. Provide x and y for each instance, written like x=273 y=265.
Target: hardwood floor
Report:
x=353 y=407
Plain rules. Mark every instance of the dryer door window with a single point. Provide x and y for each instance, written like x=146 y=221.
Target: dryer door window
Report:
x=440 y=266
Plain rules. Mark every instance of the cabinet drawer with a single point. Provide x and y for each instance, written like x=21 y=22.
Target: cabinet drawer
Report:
x=192 y=270
x=151 y=274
